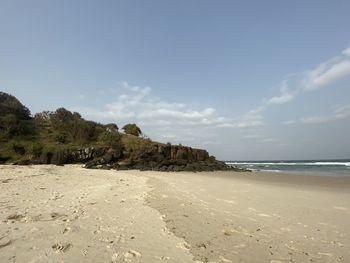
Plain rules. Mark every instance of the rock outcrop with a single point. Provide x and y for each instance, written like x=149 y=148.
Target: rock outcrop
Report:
x=158 y=157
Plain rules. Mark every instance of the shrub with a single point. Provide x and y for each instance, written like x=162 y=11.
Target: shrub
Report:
x=110 y=139
x=111 y=127
x=132 y=129
x=36 y=149
x=26 y=127
x=9 y=124
x=18 y=148
x=61 y=138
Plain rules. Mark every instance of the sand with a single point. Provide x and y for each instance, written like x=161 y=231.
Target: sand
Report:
x=71 y=214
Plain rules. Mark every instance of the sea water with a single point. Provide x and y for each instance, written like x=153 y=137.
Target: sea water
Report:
x=336 y=167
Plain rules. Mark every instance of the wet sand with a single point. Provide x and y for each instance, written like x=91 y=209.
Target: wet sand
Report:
x=71 y=214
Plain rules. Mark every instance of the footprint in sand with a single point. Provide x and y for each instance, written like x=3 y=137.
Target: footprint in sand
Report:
x=114 y=258
x=56 y=215
x=61 y=247
x=15 y=217
x=164 y=258
x=5 y=244
x=73 y=229
x=6 y=181
x=126 y=257
x=183 y=245
x=120 y=239
x=56 y=196
x=166 y=231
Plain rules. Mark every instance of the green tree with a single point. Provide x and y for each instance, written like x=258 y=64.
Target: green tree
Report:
x=9 y=124
x=36 y=149
x=111 y=127
x=43 y=118
x=110 y=139
x=132 y=129
x=11 y=105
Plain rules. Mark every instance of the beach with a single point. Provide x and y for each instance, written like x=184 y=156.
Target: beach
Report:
x=72 y=214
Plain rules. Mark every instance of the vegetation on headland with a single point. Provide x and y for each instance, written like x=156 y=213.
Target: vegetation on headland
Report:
x=23 y=136
x=62 y=136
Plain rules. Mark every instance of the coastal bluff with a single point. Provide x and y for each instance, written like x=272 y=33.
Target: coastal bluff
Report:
x=157 y=157
x=63 y=137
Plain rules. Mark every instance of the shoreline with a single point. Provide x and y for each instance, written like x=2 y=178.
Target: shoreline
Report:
x=312 y=180
x=314 y=173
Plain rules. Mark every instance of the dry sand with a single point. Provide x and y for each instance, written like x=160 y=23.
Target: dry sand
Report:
x=71 y=214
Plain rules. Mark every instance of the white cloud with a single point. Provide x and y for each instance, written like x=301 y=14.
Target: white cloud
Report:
x=339 y=114
x=251 y=119
x=290 y=122
x=346 y=51
x=252 y=136
x=318 y=119
x=165 y=121
x=140 y=105
x=328 y=72
x=269 y=140
x=342 y=109
x=281 y=99
x=284 y=97
x=324 y=74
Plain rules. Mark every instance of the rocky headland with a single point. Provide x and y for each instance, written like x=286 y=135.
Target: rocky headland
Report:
x=64 y=137
x=159 y=157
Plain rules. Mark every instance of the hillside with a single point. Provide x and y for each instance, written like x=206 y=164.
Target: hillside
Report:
x=62 y=137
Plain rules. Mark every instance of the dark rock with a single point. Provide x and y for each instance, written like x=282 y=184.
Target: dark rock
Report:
x=44 y=158
x=201 y=155
x=23 y=162
x=191 y=167
x=157 y=157
x=181 y=154
x=4 y=159
x=173 y=152
x=59 y=157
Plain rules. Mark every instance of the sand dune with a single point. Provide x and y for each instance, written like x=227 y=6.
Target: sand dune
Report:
x=71 y=214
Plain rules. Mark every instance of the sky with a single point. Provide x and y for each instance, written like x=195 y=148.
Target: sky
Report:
x=246 y=80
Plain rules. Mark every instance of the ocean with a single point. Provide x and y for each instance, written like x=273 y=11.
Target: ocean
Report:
x=337 y=167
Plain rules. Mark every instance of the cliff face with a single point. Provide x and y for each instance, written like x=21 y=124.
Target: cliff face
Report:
x=172 y=158
x=159 y=157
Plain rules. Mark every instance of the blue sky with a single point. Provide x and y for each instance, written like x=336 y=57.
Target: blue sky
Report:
x=243 y=79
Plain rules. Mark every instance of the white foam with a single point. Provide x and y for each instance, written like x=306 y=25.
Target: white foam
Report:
x=285 y=163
